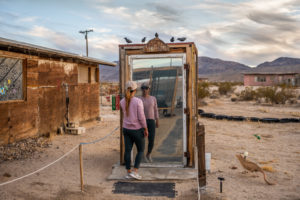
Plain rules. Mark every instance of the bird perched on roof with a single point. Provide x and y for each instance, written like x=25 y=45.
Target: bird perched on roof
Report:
x=172 y=39
x=127 y=40
x=156 y=35
x=181 y=39
x=144 y=39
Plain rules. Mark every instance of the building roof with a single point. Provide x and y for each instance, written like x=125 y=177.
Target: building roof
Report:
x=30 y=49
x=271 y=73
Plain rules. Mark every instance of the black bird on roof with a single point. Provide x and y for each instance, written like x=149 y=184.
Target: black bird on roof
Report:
x=127 y=40
x=156 y=35
x=144 y=39
x=172 y=39
x=181 y=39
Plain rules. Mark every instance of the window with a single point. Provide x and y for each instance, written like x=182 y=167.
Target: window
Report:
x=11 y=79
x=260 y=79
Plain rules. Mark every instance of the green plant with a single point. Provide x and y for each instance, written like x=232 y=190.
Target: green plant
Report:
x=248 y=94
x=203 y=90
x=275 y=95
x=225 y=88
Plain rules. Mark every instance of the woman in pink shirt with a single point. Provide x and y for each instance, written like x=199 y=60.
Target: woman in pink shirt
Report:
x=134 y=128
x=151 y=113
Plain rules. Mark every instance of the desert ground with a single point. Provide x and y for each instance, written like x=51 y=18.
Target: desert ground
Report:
x=277 y=149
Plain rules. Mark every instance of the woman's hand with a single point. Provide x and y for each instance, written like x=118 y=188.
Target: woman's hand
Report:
x=157 y=123
x=146 y=133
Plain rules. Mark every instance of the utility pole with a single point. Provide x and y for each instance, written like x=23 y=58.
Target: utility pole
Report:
x=86 y=39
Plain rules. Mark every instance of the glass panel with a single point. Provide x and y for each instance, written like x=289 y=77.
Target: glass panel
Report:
x=11 y=79
x=164 y=76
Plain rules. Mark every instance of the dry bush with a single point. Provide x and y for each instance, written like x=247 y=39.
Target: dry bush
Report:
x=248 y=94
x=275 y=95
x=203 y=90
x=225 y=88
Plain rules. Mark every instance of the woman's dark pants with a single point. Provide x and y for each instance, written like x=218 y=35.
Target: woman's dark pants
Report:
x=133 y=137
x=151 y=130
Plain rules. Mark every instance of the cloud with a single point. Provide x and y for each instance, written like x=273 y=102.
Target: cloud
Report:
x=105 y=46
x=27 y=19
x=279 y=20
x=58 y=39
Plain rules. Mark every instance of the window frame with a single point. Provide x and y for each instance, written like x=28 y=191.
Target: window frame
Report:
x=24 y=80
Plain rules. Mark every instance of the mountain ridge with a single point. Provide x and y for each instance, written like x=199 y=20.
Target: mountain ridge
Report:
x=216 y=69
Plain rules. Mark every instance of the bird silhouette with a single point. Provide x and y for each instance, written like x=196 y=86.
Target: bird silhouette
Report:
x=144 y=39
x=181 y=39
x=172 y=39
x=156 y=35
x=127 y=40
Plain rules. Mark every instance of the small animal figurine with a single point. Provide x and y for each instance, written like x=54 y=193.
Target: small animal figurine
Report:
x=252 y=167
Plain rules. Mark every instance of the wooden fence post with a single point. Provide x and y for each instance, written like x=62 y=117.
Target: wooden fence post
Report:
x=200 y=141
x=81 y=167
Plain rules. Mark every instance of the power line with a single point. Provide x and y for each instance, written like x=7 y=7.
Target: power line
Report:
x=86 y=39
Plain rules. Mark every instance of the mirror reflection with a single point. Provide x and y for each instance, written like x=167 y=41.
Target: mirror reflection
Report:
x=162 y=79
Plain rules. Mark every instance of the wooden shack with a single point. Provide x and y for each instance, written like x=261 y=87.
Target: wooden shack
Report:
x=33 y=82
x=182 y=57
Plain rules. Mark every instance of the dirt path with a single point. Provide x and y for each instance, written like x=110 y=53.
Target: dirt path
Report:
x=279 y=145
x=62 y=181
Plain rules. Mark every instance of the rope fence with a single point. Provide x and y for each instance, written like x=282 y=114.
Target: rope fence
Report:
x=63 y=156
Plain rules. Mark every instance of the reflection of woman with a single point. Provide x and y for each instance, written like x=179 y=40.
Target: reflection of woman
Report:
x=151 y=113
x=134 y=128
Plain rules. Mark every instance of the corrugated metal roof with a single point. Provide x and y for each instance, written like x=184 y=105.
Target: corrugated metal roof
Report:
x=13 y=45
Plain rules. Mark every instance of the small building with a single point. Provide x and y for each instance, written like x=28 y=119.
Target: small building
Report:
x=34 y=85
x=271 y=79
x=202 y=79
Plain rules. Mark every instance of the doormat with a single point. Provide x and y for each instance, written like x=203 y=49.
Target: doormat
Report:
x=145 y=189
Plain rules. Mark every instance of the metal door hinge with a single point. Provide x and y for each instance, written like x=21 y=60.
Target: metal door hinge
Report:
x=187 y=66
x=186 y=111
x=187 y=154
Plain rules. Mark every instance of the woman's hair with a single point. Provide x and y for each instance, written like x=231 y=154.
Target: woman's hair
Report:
x=128 y=95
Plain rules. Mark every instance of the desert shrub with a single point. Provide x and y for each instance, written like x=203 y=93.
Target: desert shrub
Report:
x=248 y=94
x=275 y=95
x=225 y=88
x=203 y=90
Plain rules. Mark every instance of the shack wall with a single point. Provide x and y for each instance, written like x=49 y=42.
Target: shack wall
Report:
x=43 y=108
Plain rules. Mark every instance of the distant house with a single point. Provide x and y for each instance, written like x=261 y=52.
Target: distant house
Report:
x=34 y=84
x=202 y=79
x=271 y=79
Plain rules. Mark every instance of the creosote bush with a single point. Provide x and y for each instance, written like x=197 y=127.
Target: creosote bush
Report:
x=225 y=88
x=203 y=90
x=248 y=94
x=274 y=95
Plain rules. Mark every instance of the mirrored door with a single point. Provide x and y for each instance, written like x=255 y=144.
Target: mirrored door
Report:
x=165 y=76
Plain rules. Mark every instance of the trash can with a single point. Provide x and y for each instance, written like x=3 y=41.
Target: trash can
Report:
x=113 y=102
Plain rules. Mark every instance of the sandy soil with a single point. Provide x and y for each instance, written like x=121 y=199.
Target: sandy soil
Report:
x=278 y=147
x=279 y=144
x=62 y=180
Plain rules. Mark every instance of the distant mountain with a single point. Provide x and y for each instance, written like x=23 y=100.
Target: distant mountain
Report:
x=109 y=74
x=280 y=62
x=208 y=65
x=219 y=70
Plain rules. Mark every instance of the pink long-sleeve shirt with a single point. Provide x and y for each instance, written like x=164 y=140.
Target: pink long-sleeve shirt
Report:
x=150 y=107
x=136 y=118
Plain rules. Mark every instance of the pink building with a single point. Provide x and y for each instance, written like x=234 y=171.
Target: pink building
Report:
x=271 y=79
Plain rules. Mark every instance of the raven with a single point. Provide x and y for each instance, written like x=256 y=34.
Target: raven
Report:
x=181 y=39
x=127 y=40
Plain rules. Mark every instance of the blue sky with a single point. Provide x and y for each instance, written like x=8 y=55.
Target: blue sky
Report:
x=250 y=32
